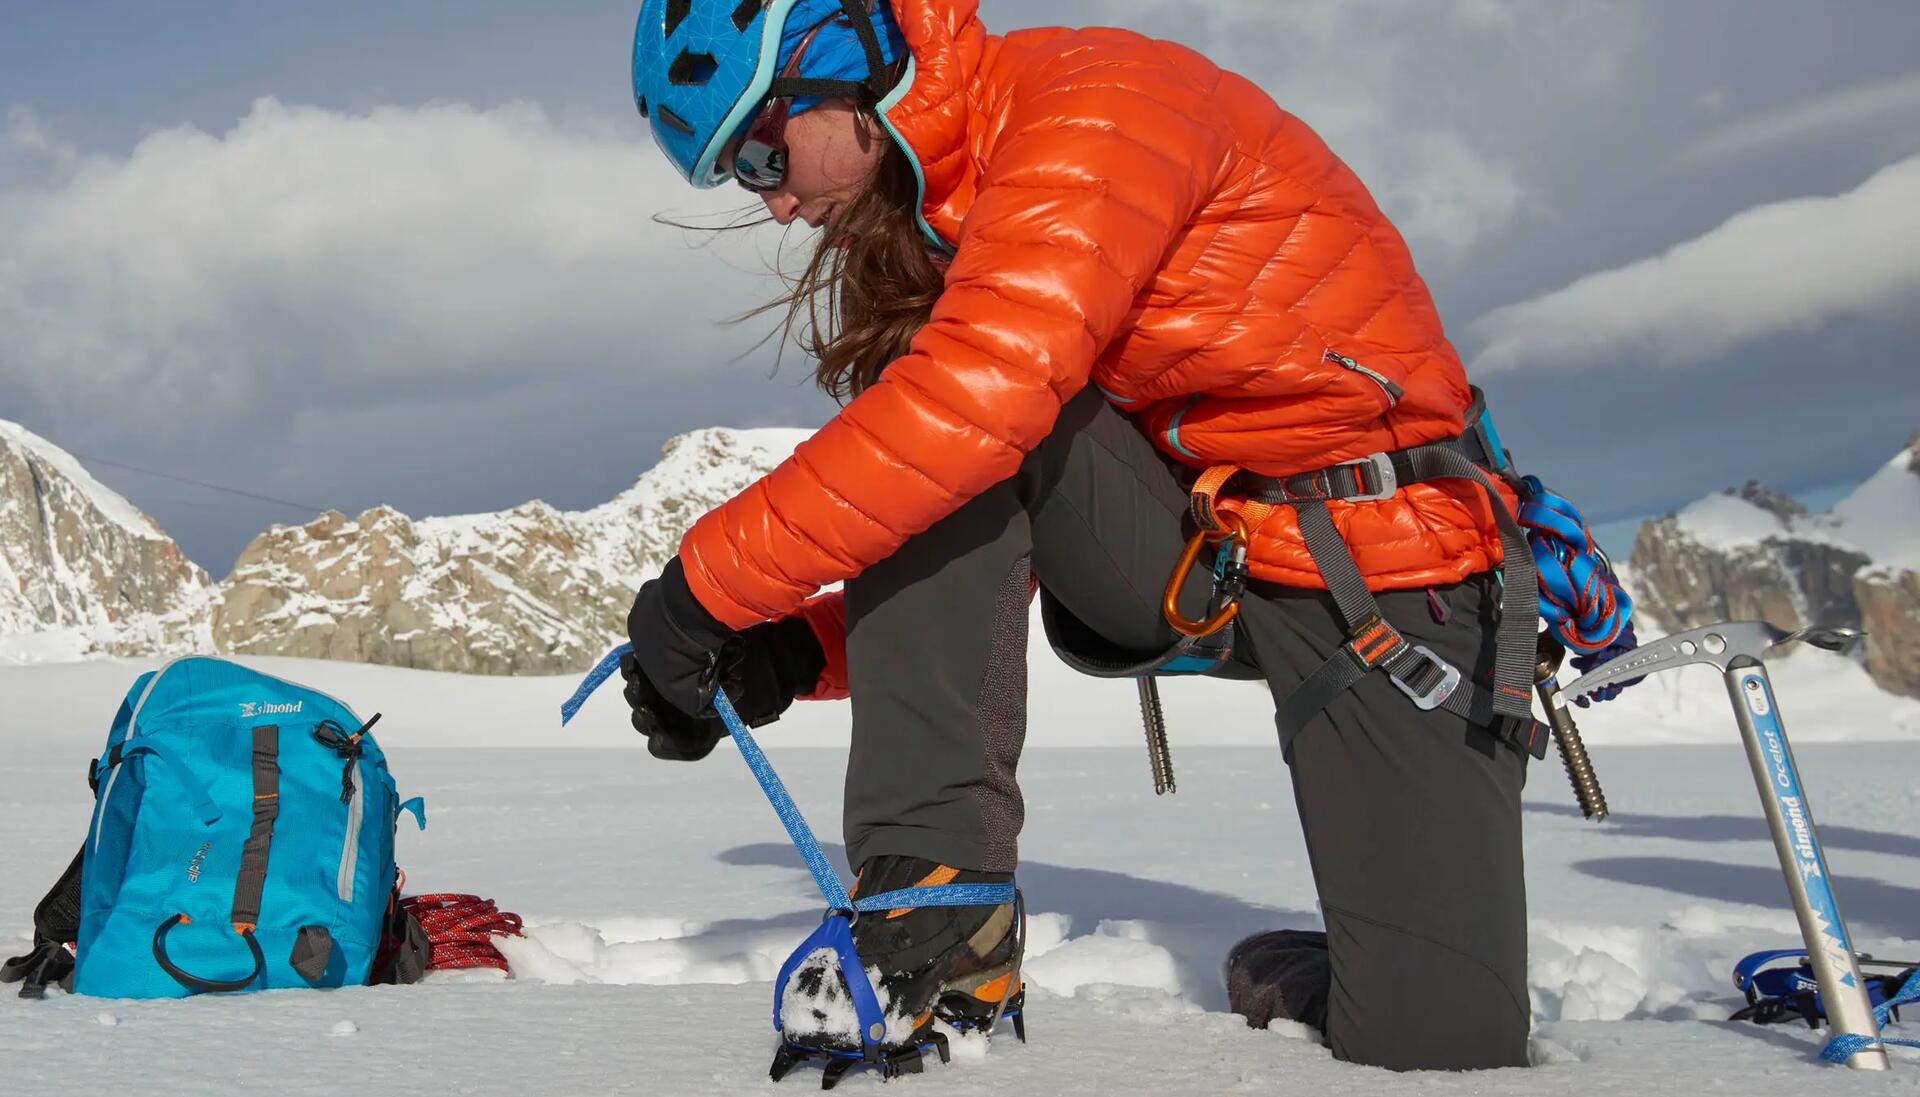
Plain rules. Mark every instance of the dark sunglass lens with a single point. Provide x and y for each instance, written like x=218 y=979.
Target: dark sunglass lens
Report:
x=759 y=166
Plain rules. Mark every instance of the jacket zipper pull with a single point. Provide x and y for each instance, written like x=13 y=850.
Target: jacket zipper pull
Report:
x=1394 y=392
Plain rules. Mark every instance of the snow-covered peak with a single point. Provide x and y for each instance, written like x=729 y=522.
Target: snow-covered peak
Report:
x=1754 y=553
x=1726 y=521
x=702 y=463
x=533 y=589
x=1880 y=519
x=82 y=571
x=1882 y=516
x=109 y=503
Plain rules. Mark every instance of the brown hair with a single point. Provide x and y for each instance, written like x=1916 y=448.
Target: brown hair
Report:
x=869 y=285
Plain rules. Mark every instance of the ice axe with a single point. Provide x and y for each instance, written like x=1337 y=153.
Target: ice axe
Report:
x=1738 y=649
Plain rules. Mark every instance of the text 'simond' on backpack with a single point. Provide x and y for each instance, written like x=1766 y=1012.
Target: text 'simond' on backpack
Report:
x=242 y=839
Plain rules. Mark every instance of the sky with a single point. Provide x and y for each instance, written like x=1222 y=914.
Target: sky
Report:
x=355 y=253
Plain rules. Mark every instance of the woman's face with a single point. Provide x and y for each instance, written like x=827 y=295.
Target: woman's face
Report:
x=832 y=150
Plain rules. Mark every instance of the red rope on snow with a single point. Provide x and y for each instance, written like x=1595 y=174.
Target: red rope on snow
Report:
x=461 y=929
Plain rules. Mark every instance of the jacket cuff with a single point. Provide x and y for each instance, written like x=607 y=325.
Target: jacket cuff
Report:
x=827 y=615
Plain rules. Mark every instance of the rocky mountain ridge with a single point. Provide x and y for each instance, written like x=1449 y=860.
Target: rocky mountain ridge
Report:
x=1753 y=552
x=532 y=590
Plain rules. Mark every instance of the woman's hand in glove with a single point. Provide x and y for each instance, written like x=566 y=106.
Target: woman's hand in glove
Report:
x=676 y=642
x=762 y=669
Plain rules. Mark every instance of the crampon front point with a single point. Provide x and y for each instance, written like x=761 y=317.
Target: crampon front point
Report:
x=891 y=1063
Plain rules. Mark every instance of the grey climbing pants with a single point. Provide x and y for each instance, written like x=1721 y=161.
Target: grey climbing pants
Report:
x=1411 y=818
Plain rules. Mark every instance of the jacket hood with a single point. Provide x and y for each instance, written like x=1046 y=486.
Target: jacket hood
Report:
x=929 y=112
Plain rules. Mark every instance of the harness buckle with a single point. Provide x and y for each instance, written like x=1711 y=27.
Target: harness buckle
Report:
x=1375 y=643
x=1385 y=481
x=1436 y=694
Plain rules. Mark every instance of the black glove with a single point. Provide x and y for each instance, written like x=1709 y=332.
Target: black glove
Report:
x=762 y=669
x=676 y=642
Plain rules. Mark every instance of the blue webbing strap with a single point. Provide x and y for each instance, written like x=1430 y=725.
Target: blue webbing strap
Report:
x=1841 y=1047
x=836 y=932
x=601 y=671
x=783 y=806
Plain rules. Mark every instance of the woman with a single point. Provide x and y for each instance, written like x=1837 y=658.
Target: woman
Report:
x=1062 y=273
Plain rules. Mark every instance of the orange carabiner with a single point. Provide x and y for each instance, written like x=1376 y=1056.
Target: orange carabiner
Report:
x=1170 y=602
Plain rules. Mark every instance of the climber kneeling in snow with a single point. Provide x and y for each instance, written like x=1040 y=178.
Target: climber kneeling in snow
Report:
x=1086 y=296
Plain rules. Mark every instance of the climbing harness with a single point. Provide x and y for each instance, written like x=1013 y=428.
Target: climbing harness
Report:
x=836 y=929
x=1373 y=644
x=1547 y=549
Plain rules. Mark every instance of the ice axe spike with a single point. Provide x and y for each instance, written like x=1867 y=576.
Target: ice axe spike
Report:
x=1738 y=649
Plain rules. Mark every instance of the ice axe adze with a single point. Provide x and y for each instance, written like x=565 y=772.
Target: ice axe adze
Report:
x=1737 y=649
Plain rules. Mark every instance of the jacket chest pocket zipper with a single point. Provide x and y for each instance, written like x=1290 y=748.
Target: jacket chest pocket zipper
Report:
x=1392 y=391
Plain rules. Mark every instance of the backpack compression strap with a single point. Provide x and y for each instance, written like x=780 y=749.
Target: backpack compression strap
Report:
x=253 y=871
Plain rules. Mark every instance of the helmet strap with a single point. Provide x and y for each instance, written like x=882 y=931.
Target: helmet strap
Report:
x=867 y=91
x=876 y=61
x=808 y=87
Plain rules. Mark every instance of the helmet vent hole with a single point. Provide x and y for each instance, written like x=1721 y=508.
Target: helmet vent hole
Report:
x=642 y=104
x=674 y=121
x=692 y=68
x=744 y=14
x=676 y=11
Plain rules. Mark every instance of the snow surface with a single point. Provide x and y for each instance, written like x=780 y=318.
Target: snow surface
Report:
x=661 y=897
x=110 y=503
x=1831 y=696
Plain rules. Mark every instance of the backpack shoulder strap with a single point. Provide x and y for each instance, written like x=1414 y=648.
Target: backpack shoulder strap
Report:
x=56 y=925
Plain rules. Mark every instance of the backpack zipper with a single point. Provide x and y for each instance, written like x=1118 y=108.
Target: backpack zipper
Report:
x=350 y=852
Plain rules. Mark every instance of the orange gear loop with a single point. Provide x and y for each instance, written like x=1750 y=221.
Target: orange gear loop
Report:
x=1207 y=507
x=1237 y=538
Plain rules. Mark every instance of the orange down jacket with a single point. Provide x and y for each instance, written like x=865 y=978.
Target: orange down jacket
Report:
x=1127 y=215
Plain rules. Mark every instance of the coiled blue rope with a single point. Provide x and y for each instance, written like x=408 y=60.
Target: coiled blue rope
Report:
x=1580 y=597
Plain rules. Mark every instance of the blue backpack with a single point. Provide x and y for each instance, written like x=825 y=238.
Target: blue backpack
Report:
x=242 y=839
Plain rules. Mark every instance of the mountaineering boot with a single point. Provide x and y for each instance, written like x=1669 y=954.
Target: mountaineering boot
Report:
x=1282 y=974
x=960 y=965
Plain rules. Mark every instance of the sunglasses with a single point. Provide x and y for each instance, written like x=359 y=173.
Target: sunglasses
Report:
x=760 y=163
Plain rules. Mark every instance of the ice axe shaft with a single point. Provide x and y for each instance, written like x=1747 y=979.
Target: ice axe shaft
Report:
x=1737 y=649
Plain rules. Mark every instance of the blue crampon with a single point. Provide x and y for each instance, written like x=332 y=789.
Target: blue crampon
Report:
x=836 y=930
x=1781 y=993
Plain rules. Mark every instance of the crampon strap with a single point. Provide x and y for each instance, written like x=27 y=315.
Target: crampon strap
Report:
x=836 y=932
x=1842 y=1047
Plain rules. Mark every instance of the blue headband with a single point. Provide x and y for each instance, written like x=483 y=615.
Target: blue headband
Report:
x=836 y=52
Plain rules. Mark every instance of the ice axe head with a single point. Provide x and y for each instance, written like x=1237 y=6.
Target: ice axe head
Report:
x=1722 y=646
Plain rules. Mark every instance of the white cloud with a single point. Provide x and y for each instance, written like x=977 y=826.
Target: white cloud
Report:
x=335 y=259
x=1869 y=106
x=1777 y=268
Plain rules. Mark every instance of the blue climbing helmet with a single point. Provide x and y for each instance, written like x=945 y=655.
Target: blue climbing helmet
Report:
x=702 y=68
